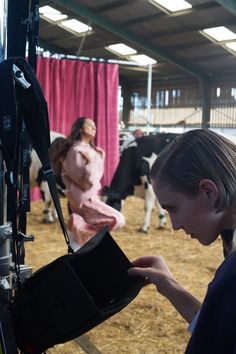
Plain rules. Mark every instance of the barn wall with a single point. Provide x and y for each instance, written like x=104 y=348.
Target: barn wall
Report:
x=180 y=106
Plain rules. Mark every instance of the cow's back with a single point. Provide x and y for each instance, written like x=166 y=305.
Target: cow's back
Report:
x=147 y=145
x=35 y=164
x=132 y=164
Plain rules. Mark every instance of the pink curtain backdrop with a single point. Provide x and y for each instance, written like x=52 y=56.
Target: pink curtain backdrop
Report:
x=74 y=88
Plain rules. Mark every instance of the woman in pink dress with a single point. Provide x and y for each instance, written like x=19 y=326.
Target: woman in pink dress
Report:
x=82 y=169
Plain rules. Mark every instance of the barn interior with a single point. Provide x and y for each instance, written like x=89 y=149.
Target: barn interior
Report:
x=188 y=81
x=192 y=67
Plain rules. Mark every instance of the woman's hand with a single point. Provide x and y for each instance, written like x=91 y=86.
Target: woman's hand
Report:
x=100 y=151
x=85 y=156
x=155 y=270
x=84 y=183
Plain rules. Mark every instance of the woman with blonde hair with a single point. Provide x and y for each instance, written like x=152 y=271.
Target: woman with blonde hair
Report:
x=194 y=179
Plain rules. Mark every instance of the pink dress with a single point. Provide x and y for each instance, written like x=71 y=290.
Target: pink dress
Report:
x=82 y=181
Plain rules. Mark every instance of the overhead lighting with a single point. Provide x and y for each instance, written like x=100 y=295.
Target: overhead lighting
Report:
x=75 y=26
x=49 y=13
x=142 y=59
x=171 y=6
x=121 y=49
x=231 y=46
x=219 y=34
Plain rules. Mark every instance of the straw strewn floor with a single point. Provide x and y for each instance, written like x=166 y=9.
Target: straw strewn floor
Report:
x=149 y=325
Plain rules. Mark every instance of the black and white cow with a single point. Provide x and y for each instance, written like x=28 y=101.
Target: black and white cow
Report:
x=132 y=176
x=37 y=180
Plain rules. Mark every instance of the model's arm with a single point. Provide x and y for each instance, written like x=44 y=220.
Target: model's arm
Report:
x=156 y=272
x=78 y=167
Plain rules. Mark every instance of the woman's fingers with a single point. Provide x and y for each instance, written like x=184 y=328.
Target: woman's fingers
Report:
x=85 y=155
x=143 y=262
x=142 y=272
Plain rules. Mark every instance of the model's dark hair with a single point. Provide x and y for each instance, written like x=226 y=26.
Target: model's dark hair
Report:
x=59 y=149
x=196 y=155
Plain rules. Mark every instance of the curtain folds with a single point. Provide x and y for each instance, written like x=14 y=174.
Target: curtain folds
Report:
x=75 y=88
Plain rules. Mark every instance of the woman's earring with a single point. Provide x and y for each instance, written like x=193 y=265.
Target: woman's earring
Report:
x=212 y=204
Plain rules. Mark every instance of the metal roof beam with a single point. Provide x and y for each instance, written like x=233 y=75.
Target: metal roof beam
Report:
x=114 y=5
x=228 y=4
x=156 y=50
x=155 y=16
x=189 y=29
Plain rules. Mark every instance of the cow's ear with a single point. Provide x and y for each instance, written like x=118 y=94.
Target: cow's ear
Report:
x=209 y=190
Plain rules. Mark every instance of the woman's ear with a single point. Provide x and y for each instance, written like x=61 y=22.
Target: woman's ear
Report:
x=210 y=190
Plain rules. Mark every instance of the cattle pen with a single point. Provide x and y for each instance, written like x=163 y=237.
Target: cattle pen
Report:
x=149 y=325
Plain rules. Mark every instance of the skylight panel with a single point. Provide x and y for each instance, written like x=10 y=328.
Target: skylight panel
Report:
x=48 y=12
x=48 y=9
x=75 y=26
x=231 y=46
x=121 y=49
x=172 y=6
x=142 y=59
x=219 y=34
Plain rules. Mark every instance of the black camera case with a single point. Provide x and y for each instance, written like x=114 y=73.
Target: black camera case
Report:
x=73 y=294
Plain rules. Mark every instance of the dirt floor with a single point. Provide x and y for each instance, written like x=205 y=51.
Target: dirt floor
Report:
x=149 y=324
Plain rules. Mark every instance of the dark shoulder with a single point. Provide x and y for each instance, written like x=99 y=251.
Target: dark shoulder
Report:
x=226 y=272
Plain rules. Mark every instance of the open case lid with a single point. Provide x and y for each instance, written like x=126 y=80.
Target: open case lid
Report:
x=73 y=294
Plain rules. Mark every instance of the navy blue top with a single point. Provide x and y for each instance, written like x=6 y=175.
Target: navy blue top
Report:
x=215 y=331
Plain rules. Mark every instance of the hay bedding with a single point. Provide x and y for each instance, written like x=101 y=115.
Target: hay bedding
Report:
x=149 y=325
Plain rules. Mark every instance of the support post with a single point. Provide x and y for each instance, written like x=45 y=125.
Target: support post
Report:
x=206 y=102
x=3 y=55
x=149 y=98
x=3 y=29
x=126 y=105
